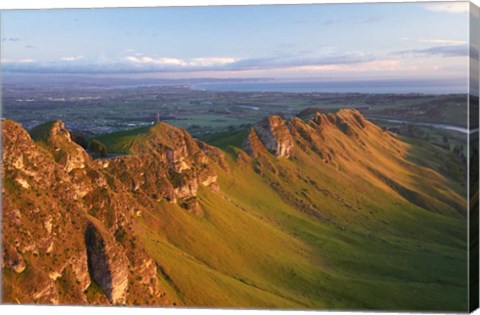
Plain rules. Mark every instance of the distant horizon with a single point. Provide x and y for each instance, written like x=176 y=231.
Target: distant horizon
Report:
x=292 y=85
x=321 y=42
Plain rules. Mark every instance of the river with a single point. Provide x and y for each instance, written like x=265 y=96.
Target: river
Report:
x=434 y=125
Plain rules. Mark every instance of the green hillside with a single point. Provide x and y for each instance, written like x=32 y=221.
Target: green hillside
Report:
x=366 y=247
x=354 y=218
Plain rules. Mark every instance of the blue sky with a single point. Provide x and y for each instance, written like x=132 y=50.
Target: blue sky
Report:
x=336 y=42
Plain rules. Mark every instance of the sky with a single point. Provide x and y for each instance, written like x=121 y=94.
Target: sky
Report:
x=290 y=42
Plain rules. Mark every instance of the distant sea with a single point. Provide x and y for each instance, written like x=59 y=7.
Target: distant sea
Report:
x=377 y=87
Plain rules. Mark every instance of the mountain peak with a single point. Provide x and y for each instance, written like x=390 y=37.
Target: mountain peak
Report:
x=277 y=135
x=353 y=117
x=46 y=131
x=167 y=163
x=55 y=136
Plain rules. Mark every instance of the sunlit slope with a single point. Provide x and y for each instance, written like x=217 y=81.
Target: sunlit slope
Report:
x=348 y=221
x=330 y=212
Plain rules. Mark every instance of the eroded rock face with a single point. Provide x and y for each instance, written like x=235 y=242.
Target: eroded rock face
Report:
x=272 y=134
x=215 y=155
x=107 y=264
x=66 y=152
x=276 y=137
x=14 y=260
x=48 y=293
x=172 y=163
x=280 y=137
x=52 y=193
x=54 y=190
x=253 y=145
x=142 y=174
x=37 y=206
x=79 y=267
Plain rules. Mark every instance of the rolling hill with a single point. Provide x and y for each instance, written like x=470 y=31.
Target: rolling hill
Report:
x=331 y=212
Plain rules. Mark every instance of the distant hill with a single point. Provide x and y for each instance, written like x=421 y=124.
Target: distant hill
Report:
x=330 y=212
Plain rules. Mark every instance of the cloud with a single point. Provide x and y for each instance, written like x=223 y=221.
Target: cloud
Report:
x=445 y=42
x=6 y=60
x=129 y=64
x=369 y=66
x=157 y=61
x=146 y=64
x=207 y=62
x=296 y=61
x=449 y=7
x=443 y=51
x=72 y=58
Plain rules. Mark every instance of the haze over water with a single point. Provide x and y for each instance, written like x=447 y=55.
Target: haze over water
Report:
x=377 y=87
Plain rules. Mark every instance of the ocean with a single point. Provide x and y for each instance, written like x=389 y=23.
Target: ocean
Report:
x=376 y=87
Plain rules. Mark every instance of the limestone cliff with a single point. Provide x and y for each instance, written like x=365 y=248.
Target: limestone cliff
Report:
x=274 y=135
x=77 y=225
x=283 y=137
x=168 y=164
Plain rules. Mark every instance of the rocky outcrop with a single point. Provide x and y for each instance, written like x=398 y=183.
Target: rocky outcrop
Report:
x=79 y=267
x=273 y=134
x=53 y=190
x=169 y=164
x=107 y=264
x=62 y=213
x=281 y=138
x=58 y=140
x=13 y=259
x=215 y=155
x=41 y=205
x=142 y=174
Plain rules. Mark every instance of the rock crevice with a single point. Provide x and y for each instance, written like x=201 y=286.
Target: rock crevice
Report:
x=106 y=264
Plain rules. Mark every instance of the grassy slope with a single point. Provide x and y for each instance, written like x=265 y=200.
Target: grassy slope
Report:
x=255 y=249
x=226 y=139
x=121 y=141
